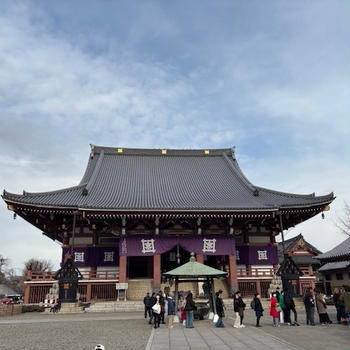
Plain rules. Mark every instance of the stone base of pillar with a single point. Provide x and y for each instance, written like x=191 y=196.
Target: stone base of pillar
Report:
x=233 y=288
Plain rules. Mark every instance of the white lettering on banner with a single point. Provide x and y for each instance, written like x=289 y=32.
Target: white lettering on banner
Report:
x=124 y=247
x=209 y=245
x=109 y=256
x=79 y=256
x=237 y=254
x=148 y=246
x=262 y=254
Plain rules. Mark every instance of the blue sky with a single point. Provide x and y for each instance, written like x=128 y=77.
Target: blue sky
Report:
x=269 y=77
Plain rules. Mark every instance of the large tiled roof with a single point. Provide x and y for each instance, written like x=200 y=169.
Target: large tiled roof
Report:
x=338 y=253
x=334 y=266
x=148 y=179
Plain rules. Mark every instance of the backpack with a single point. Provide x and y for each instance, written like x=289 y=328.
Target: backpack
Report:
x=252 y=304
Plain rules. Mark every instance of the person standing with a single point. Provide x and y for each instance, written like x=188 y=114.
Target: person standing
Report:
x=275 y=310
x=309 y=303
x=189 y=308
x=344 y=299
x=156 y=312
x=219 y=309
x=279 y=297
x=336 y=296
x=321 y=309
x=257 y=307
x=162 y=307
x=290 y=306
x=147 y=301
x=152 y=302
x=171 y=310
x=238 y=307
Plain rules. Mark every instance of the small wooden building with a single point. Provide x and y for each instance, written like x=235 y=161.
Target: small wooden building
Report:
x=140 y=212
x=303 y=254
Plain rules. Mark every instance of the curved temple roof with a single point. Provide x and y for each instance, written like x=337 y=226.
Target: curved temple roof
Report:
x=168 y=180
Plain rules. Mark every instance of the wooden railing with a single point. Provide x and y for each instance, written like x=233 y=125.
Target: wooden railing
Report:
x=255 y=272
x=87 y=275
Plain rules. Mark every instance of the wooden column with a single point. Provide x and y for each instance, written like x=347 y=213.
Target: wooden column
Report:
x=232 y=273
x=258 y=287
x=26 y=294
x=156 y=272
x=200 y=258
x=248 y=269
x=122 y=268
x=88 y=292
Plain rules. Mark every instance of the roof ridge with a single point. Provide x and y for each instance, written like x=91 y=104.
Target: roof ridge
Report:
x=95 y=172
x=120 y=151
x=25 y=193
x=294 y=195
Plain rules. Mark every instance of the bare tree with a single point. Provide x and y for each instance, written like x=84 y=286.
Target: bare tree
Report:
x=343 y=222
x=3 y=264
x=33 y=264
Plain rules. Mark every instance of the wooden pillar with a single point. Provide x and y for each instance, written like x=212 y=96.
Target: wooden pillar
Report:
x=248 y=269
x=200 y=258
x=122 y=268
x=232 y=273
x=258 y=287
x=156 y=272
x=176 y=294
x=88 y=292
x=26 y=294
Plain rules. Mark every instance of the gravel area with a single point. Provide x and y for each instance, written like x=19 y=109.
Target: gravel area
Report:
x=84 y=331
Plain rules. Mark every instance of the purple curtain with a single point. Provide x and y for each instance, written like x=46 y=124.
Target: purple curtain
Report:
x=257 y=255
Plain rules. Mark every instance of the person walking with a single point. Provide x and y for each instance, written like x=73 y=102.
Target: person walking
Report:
x=219 y=309
x=257 y=307
x=189 y=308
x=238 y=307
x=147 y=301
x=336 y=296
x=156 y=312
x=290 y=306
x=309 y=303
x=321 y=309
x=275 y=310
x=171 y=310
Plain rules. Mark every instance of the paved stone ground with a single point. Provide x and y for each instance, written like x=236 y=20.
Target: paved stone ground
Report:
x=129 y=331
x=34 y=331
x=206 y=337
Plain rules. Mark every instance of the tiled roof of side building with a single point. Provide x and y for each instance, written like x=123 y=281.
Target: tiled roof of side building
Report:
x=155 y=179
x=341 y=251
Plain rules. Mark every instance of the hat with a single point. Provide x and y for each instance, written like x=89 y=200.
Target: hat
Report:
x=99 y=347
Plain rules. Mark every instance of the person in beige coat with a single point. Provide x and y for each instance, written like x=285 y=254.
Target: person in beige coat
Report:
x=321 y=308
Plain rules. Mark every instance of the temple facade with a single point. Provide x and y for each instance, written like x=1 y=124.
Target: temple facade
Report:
x=140 y=212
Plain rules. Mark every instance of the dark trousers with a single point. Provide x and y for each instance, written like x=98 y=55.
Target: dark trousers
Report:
x=310 y=312
x=156 y=319
x=148 y=311
x=324 y=318
x=162 y=313
x=286 y=314
x=295 y=314
x=338 y=314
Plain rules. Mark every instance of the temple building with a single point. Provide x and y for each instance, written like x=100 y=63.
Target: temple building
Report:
x=335 y=267
x=140 y=212
x=303 y=254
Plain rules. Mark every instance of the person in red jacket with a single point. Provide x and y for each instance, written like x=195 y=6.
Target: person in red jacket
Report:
x=274 y=307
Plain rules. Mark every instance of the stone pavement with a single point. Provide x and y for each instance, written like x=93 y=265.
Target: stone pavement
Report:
x=206 y=337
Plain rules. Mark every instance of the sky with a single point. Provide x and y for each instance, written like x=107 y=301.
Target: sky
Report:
x=268 y=77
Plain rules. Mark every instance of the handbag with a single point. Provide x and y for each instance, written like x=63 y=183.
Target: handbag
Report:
x=156 y=308
x=278 y=309
x=216 y=318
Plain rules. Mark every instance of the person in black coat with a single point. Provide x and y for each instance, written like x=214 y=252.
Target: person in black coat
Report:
x=309 y=303
x=290 y=306
x=153 y=301
x=147 y=301
x=190 y=306
x=219 y=308
x=258 y=308
x=238 y=307
x=162 y=305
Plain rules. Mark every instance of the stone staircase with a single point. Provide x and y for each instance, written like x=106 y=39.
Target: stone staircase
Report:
x=116 y=306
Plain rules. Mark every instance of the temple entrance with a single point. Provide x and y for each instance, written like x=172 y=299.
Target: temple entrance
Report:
x=140 y=267
x=174 y=258
x=218 y=262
